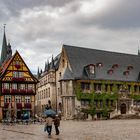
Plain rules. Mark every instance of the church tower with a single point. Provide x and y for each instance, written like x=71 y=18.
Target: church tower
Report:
x=6 y=52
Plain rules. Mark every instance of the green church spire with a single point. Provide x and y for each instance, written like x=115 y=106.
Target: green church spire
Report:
x=4 y=48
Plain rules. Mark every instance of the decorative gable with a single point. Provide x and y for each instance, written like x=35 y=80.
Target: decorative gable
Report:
x=16 y=70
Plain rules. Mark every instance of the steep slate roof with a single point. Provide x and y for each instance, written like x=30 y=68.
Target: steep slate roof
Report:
x=68 y=75
x=80 y=57
x=8 y=62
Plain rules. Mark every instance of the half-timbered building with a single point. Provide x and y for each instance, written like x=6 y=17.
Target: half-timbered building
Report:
x=17 y=85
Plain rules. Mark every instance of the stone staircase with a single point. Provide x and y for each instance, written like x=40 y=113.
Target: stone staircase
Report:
x=126 y=116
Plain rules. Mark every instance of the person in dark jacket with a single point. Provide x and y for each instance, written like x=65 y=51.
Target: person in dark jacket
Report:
x=49 y=122
x=57 y=124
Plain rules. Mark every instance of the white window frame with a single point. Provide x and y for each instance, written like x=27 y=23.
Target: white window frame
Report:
x=18 y=99
x=27 y=99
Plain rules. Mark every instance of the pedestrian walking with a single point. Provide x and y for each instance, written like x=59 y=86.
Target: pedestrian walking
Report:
x=49 y=121
x=57 y=124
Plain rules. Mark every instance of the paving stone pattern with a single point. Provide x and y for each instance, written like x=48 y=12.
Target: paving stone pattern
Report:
x=75 y=130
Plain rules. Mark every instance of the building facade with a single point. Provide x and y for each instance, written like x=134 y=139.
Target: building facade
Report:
x=17 y=85
x=98 y=83
x=46 y=88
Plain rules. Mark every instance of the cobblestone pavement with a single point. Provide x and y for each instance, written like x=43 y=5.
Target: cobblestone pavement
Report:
x=75 y=130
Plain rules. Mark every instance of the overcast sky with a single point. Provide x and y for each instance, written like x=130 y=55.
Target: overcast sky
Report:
x=38 y=28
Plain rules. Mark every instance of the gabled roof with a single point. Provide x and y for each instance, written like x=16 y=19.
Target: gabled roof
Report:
x=6 y=64
x=79 y=57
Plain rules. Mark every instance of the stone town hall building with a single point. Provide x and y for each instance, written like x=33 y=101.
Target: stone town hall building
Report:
x=17 y=85
x=96 y=82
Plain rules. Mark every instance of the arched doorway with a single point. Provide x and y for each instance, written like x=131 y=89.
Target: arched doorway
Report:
x=123 y=108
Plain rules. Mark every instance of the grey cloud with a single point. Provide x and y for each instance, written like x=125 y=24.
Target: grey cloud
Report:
x=13 y=7
x=38 y=36
x=121 y=15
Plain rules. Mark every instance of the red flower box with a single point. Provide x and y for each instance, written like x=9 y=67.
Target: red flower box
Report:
x=30 y=91
x=22 y=91
x=19 y=105
x=5 y=90
x=18 y=79
x=28 y=105
x=6 y=105
x=14 y=91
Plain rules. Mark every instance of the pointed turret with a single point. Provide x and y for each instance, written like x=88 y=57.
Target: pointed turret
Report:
x=45 y=69
x=38 y=74
x=4 y=48
x=9 y=51
x=48 y=66
x=52 y=66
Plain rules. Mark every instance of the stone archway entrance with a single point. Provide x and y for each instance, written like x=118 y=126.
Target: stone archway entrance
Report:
x=123 y=108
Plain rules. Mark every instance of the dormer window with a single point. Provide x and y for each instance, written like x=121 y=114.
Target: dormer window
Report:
x=110 y=71
x=91 y=69
x=126 y=72
x=129 y=67
x=99 y=65
x=114 y=66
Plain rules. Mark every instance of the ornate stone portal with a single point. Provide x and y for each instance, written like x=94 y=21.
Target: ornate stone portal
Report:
x=124 y=105
x=124 y=102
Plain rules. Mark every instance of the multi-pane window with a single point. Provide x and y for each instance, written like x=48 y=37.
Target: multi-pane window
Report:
x=6 y=85
x=20 y=74
x=85 y=86
x=27 y=99
x=15 y=74
x=97 y=87
x=14 y=86
x=7 y=98
x=30 y=86
x=22 y=86
x=18 y=99
x=84 y=102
